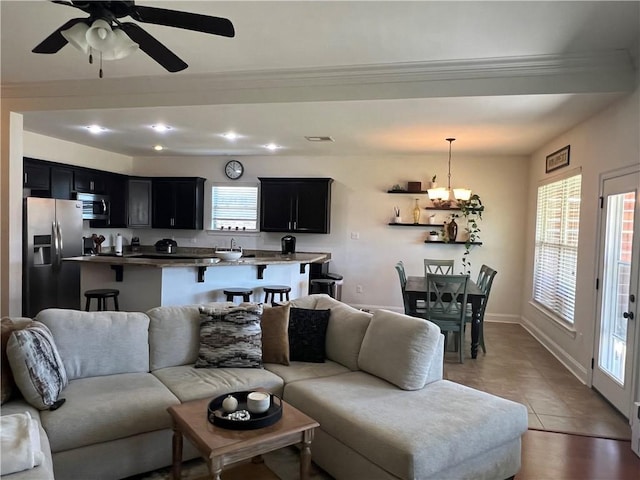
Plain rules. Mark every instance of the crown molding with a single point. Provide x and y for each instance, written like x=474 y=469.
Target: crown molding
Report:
x=598 y=72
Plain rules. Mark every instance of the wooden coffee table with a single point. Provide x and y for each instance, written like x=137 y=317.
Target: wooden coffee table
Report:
x=221 y=446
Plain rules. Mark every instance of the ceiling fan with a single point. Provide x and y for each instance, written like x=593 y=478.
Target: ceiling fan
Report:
x=104 y=26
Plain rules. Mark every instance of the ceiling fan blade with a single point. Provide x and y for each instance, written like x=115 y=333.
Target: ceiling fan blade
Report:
x=153 y=48
x=186 y=20
x=54 y=42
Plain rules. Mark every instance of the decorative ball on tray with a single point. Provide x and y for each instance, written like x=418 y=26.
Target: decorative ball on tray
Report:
x=245 y=410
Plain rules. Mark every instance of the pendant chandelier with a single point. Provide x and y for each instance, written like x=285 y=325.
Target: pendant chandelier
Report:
x=443 y=196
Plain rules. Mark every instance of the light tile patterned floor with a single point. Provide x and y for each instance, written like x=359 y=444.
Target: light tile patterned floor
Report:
x=517 y=367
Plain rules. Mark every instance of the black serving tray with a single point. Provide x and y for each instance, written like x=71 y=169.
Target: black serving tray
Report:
x=218 y=417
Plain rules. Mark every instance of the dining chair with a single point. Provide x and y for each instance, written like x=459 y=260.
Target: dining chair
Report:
x=447 y=305
x=440 y=267
x=413 y=310
x=402 y=275
x=484 y=282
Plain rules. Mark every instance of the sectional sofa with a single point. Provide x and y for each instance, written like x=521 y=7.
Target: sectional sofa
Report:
x=384 y=410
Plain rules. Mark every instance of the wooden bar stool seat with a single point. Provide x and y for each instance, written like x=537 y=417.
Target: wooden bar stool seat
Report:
x=282 y=290
x=323 y=285
x=231 y=293
x=101 y=295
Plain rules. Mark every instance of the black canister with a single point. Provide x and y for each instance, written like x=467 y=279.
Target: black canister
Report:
x=288 y=243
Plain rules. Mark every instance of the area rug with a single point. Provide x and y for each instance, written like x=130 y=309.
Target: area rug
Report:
x=283 y=464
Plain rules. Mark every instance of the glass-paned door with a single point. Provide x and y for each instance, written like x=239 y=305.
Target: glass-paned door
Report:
x=618 y=290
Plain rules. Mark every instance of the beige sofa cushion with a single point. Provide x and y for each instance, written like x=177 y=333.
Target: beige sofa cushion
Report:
x=189 y=383
x=400 y=349
x=110 y=407
x=345 y=331
x=174 y=334
x=375 y=419
x=99 y=343
x=303 y=370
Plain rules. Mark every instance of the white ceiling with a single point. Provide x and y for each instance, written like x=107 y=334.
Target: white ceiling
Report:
x=379 y=77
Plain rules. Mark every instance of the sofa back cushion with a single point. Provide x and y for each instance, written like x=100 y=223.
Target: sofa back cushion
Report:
x=174 y=336
x=99 y=343
x=345 y=332
x=400 y=349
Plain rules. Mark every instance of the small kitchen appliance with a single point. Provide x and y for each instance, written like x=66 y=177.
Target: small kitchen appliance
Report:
x=288 y=243
x=166 y=245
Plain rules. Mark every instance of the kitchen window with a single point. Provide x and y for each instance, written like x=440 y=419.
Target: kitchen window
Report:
x=234 y=208
x=556 y=249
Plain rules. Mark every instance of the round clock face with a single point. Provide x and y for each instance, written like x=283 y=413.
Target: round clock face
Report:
x=233 y=169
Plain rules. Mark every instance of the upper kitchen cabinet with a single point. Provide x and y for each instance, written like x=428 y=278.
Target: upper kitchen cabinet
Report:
x=89 y=181
x=301 y=205
x=178 y=202
x=139 y=203
x=36 y=174
x=114 y=188
x=47 y=179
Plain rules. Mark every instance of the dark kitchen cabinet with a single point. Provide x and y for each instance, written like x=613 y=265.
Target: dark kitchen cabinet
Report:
x=62 y=183
x=301 y=205
x=89 y=181
x=36 y=174
x=114 y=187
x=139 y=203
x=178 y=202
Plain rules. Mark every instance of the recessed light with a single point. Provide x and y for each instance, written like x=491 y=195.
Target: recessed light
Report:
x=231 y=136
x=158 y=148
x=272 y=146
x=96 y=129
x=161 y=127
x=319 y=138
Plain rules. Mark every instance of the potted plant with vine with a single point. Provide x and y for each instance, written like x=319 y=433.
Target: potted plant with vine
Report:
x=471 y=210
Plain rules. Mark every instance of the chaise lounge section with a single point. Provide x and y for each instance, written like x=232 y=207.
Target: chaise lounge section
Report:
x=384 y=410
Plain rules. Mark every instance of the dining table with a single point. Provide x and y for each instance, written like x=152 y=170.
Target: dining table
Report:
x=416 y=289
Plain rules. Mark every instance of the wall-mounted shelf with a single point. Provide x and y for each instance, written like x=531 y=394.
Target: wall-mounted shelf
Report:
x=416 y=224
x=407 y=191
x=452 y=243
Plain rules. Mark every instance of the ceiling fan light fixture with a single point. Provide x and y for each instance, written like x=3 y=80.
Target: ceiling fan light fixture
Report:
x=121 y=46
x=77 y=37
x=100 y=36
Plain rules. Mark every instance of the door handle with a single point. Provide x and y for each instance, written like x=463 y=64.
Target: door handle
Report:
x=628 y=315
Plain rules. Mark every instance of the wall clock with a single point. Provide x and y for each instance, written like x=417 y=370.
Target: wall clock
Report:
x=233 y=169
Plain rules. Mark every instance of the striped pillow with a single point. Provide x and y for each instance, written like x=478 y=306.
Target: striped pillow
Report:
x=230 y=337
x=36 y=365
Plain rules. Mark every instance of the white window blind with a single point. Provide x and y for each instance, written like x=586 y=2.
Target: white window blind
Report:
x=234 y=207
x=556 y=255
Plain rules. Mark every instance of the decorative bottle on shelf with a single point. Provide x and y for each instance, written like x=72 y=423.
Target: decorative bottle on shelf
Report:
x=416 y=213
x=452 y=230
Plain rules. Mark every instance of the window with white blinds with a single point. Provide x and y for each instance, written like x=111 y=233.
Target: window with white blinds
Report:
x=234 y=208
x=556 y=255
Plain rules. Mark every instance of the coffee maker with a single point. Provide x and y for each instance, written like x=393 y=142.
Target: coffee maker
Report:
x=288 y=243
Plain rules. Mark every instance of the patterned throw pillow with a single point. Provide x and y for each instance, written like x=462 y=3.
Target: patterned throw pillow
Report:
x=230 y=337
x=275 y=337
x=307 y=333
x=36 y=365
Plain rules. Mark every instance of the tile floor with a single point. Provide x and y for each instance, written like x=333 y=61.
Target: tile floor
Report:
x=517 y=367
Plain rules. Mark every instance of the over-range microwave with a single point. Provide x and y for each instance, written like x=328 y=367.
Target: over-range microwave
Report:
x=94 y=207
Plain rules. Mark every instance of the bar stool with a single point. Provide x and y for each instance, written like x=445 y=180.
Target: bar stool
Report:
x=273 y=289
x=323 y=285
x=101 y=295
x=231 y=293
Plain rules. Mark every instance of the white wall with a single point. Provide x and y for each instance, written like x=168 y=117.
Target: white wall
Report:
x=360 y=205
x=55 y=150
x=606 y=142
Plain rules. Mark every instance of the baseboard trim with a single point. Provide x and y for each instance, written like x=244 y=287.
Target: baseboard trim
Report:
x=547 y=342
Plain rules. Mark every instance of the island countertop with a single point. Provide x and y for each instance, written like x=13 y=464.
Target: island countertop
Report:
x=201 y=259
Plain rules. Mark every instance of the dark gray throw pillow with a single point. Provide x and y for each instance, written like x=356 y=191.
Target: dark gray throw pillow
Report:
x=230 y=337
x=307 y=333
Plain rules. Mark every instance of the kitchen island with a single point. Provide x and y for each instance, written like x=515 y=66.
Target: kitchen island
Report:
x=147 y=279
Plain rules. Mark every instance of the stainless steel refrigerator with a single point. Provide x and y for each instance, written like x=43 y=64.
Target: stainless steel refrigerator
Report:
x=52 y=231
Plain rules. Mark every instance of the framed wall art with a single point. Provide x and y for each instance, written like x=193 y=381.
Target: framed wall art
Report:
x=558 y=159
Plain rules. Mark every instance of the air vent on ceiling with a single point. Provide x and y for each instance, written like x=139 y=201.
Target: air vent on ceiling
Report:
x=318 y=139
